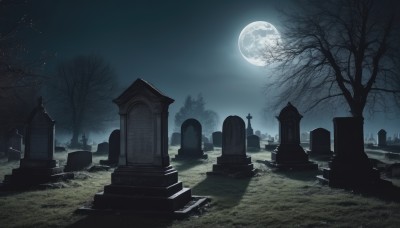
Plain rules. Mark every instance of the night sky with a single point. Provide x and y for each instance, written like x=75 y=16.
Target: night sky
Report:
x=182 y=47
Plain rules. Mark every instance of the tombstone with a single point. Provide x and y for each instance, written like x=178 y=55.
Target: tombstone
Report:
x=38 y=165
x=320 y=142
x=258 y=133
x=350 y=166
x=175 y=139
x=85 y=145
x=382 y=138
x=289 y=154
x=144 y=181
x=233 y=160
x=78 y=160
x=217 y=138
x=13 y=155
x=102 y=148
x=253 y=143
x=15 y=141
x=114 y=149
x=208 y=147
x=191 y=141
x=249 y=130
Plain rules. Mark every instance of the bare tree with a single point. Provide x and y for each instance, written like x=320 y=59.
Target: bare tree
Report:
x=81 y=95
x=336 y=52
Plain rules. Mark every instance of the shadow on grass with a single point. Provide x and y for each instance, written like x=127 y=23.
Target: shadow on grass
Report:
x=226 y=192
x=183 y=165
x=120 y=221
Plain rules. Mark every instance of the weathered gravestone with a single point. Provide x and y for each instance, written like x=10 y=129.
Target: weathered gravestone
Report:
x=144 y=181
x=320 y=142
x=38 y=165
x=253 y=143
x=190 y=140
x=249 y=130
x=15 y=141
x=114 y=149
x=217 y=138
x=289 y=154
x=208 y=147
x=102 y=148
x=350 y=166
x=382 y=138
x=175 y=139
x=78 y=160
x=233 y=160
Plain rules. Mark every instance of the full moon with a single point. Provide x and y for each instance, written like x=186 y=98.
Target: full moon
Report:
x=255 y=38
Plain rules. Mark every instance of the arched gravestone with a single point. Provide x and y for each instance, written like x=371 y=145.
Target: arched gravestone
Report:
x=175 y=139
x=320 y=142
x=144 y=181
x=289 y=154
x=382 y=138
x=217 y=138
x=233 y=159
x=38 y=165
x=253 y=143
x=191 y=138
x=102 y=148
x=114 y=149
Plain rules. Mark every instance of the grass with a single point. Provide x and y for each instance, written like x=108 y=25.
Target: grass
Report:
x=270 y=199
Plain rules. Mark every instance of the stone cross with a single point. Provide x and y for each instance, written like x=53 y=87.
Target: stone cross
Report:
x=249 y=130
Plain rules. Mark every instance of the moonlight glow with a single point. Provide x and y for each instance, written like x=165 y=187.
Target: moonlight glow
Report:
x=255 y=38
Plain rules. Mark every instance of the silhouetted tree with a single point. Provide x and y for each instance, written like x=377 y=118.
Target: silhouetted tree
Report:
x=195 y=108
x=81 y=95
x=336 y=52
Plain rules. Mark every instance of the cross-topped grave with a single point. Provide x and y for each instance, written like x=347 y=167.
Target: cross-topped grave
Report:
x=289 y=154
x=144 y=181
x=249 y=130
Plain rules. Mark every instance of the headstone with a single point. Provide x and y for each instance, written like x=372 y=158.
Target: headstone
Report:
x=38 y=165
x=350 y=166
x=13 y=155
x=15 y=141
x=320 y=142
x=102 y=148
x=217 y=138
x=78 y=160
x=191 y=141
x=289 y=154
x=382 y=138
x=114 y=149
x=253 y=143
x=258 y=133
x=175 y=139
x=249 y=130
x=233 y=160
x=144 y=181
x=85 y=145
x=208 y=147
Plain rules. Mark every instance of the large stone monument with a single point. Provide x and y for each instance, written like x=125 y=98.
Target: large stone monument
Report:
x=233 y=160
x=191 y=137
x=249 y=130
x=382 y=138
x=113 y=150
x=350 y=166
x=320 y=142
x=289 y=154
x=217 y=138
x=144 y=181
x=38 y=165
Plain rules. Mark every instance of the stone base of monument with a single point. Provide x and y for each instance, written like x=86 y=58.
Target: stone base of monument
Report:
x=190 y=154
x=145 y=190
x=236 y=165
x=291 y=157
x=34 y=172
x=343 y=174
